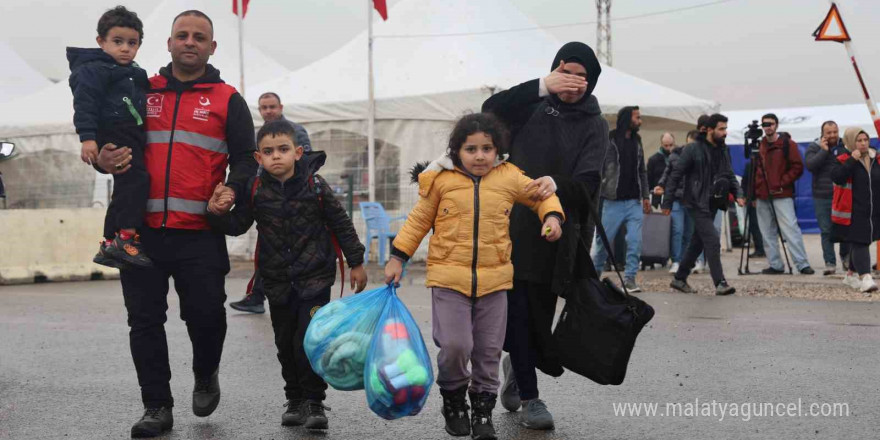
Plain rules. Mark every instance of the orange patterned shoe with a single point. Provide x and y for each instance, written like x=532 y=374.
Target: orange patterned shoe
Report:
x=129 y=251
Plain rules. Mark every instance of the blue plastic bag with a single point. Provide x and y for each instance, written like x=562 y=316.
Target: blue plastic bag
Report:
x=398 y=370
x=339 y=335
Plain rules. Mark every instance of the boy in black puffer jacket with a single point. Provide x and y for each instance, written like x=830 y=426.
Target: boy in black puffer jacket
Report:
x=296 y=214
x=109 y=102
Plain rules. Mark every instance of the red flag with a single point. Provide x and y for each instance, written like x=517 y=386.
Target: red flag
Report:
x=381 y=8
x=832 y=27
x=244 y=4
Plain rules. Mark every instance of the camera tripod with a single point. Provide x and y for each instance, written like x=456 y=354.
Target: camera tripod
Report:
x=756 y=163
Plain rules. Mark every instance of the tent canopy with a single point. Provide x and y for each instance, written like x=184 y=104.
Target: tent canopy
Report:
x=50 y=110
x=17 y=77
x=804 y=124
x=418 y=76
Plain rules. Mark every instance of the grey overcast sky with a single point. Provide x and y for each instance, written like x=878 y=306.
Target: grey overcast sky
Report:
x=743 y=53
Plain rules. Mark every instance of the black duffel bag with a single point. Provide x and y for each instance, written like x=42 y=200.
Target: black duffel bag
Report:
x=599 y=324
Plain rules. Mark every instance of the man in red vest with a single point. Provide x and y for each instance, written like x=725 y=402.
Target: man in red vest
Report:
x=196 y=126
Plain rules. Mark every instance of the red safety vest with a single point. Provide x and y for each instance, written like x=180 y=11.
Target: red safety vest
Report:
x=842 y=203
x=186 y=154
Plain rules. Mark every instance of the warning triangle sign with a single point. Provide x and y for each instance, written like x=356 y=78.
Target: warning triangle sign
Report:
x=832 y=28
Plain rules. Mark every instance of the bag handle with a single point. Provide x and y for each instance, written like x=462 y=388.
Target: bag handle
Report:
x=591 y=208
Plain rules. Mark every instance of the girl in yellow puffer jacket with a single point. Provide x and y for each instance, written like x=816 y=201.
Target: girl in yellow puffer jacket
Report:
x=466 y=197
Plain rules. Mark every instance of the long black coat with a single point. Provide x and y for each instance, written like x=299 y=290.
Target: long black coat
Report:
x=865 y=226
x=567 y=143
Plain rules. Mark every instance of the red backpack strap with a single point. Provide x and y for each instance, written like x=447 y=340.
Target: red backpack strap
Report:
x=250 y=286
x=338 y=249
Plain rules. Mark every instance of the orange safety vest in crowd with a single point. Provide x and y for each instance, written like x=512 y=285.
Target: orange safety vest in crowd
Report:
x=186 y=153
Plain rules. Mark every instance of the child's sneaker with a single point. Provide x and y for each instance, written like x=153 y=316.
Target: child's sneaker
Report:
x=104 y=259
x=481 y=416
x=313 y=411
x=455 y=411
x=128 y=250
x=294 y=415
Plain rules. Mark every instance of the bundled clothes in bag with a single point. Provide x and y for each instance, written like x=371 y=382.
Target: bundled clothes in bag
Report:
x=370 y=341
x=398 y=371
x=337 y=339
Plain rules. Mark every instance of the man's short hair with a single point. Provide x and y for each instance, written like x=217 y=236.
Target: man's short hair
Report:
x=702 y=121
x=770 y=116
x=667 y=134
x=120 y=17
x=693 y=134
x=715 y=119
x=822 y=129
x=268 y=94
x=278 y=127
x=194 y=13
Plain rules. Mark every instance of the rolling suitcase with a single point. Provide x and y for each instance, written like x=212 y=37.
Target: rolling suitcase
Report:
x=656 y=231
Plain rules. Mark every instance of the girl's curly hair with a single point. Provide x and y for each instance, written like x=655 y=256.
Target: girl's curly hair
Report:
x=476 y=123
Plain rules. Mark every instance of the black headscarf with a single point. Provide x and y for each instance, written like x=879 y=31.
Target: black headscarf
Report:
x=577 y=52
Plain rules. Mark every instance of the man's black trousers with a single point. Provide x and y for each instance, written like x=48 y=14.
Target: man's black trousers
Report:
x=704 y=240
x=197 y=261
x=290 y=321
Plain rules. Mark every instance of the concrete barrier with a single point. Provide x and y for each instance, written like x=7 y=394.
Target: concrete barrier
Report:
x=51 y=245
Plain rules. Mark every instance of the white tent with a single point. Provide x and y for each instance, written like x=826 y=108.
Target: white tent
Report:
x=17 y=78
x=44 y=117
x=423 y=82
x=804 y=124
x=259 y=67
x=42 y=122
x=437 y=78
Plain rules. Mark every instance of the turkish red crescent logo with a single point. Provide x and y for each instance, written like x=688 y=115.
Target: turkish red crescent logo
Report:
x=204 y=101
x=154 y=99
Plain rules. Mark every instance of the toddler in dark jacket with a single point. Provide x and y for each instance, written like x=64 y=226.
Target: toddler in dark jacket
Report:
x=297 y=217
x=109 y=102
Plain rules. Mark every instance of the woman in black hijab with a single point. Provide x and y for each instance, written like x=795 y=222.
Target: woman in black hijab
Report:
x=558 y=132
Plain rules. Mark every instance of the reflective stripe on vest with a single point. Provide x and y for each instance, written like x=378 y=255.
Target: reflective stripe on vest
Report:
x=177 y=204
x=841 y=214
x=188 y=137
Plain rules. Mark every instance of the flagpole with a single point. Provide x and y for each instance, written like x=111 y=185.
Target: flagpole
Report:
x=241 y=45
x=371 y=108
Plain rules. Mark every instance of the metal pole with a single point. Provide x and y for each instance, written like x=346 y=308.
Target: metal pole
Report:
x=241 y=45
x=371 y=108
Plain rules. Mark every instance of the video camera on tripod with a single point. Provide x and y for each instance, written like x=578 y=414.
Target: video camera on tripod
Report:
x=752 y=136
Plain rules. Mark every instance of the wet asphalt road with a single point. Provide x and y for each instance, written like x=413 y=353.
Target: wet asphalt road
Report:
x=66 y=372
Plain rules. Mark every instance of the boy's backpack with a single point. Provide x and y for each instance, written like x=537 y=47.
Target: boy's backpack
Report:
x=338 y=249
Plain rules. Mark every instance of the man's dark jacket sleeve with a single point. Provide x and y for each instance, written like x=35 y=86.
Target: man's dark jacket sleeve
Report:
x=240 y=141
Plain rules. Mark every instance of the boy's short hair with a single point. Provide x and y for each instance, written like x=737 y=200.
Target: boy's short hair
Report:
x=120 y=17
x=277 y=128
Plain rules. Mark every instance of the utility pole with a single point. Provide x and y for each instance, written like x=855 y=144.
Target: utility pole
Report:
x=603 y=31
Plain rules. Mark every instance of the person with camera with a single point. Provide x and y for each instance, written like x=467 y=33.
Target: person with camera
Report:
x=856 y=208
x=820 y=158
x=704 y=173
x=780 y=167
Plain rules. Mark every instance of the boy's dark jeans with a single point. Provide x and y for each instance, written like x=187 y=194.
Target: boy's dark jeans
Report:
x=198 y=262
x=290 y=321
x=128 y=204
